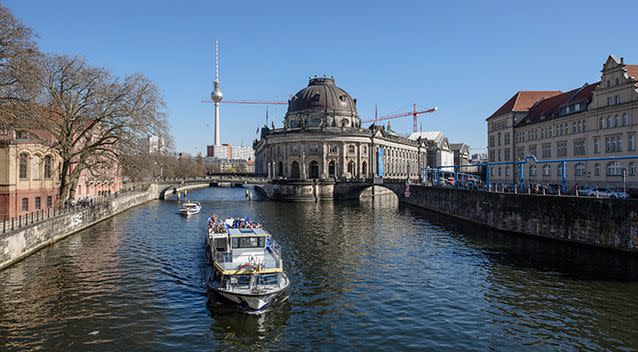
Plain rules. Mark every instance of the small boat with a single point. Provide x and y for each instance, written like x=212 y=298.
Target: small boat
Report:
x=246 y=265
x=190 y=208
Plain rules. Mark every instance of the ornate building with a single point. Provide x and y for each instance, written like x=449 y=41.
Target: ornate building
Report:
x=595 y=122
x=322 y=143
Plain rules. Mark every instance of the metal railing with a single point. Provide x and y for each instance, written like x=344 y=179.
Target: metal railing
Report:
x=21 y=221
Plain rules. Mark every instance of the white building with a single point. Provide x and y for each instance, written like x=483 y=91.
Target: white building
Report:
x=439 y=153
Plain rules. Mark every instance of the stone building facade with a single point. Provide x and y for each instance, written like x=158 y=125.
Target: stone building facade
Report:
x=30 y=176
x=322 y=142
x=596 y=120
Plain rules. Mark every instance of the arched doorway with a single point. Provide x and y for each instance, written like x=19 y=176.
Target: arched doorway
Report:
x=313 y=169
x=280 y=169
x=294 y=169
x=351 y=169
x=332 y=171
x=364 y=169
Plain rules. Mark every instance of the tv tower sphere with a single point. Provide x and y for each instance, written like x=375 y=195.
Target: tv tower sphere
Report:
x=216 y=95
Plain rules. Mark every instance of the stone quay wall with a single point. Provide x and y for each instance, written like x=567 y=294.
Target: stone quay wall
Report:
x=610 y=223
x=19 y=243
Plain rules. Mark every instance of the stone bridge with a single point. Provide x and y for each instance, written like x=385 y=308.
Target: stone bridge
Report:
x=317 y=190
x=169 y=187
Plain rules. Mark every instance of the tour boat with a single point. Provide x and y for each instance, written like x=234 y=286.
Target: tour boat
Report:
x=190 y=208
x=246 y=264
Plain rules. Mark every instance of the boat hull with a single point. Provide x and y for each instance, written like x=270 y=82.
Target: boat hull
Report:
x=248 y=300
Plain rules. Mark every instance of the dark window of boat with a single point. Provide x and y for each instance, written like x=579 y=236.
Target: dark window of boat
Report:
x=268 y=279
x=248 y=242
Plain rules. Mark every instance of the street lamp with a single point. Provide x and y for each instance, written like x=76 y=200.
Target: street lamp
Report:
x=624 y=179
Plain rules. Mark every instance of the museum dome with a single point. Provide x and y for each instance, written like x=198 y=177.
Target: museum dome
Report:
x=322 y=103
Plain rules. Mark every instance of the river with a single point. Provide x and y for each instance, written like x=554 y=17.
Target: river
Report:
x=368 y=275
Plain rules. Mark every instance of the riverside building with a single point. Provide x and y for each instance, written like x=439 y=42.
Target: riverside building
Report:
x=593 y=120
x=322 y=143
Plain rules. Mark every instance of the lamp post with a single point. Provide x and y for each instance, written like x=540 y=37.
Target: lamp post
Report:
x=624 y=179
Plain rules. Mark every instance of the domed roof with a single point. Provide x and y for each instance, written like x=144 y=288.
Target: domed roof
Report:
x=322 y=103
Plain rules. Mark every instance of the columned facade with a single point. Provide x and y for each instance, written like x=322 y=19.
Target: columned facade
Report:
x=322 y=143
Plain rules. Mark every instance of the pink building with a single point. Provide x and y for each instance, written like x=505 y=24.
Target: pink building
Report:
x=29 y=174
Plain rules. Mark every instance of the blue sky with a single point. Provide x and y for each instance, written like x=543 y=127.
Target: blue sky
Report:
x=467 y=58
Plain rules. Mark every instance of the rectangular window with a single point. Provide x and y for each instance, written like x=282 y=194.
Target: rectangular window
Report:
x=579 y=147
x=596 y=145
x=25 y=204
x=532 y=150
x=38 y=203
x=631 y=142
x=609 y=101
x=616 y=121
x=546 y=150
x=507 y=154
x=561 y=149
x=499 y=154
x=520 y=152
x=601 y=123
x=573 y=127
x=49 y=201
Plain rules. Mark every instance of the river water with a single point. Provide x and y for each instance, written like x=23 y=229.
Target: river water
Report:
x=368 y=275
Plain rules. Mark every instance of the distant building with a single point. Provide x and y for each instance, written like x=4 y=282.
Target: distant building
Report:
x=461 y=153
x=439 y=153
x=243 y=153
x=478 y=158
x=225 y=166
x=228 y=151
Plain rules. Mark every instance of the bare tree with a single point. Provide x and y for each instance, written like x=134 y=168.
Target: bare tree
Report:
x=93 y=116
x=19 y=64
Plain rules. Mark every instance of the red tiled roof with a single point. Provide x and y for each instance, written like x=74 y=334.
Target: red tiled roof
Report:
x=632 y=70
x=550 y=107
x=524 y=100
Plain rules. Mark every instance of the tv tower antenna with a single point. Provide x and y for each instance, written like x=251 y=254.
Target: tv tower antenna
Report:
x=216 y=96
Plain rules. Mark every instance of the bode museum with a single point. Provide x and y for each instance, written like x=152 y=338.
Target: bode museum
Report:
x=323 y=145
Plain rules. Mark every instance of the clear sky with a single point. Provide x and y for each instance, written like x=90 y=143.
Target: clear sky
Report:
x=467 y=58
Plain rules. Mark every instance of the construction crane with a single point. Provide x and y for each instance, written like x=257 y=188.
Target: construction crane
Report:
x=415 y=114
x=253 y=102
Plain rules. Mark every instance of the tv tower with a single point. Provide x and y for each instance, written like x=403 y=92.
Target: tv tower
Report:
x=216 y=95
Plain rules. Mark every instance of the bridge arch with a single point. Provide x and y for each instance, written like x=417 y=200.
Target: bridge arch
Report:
x=351 y=190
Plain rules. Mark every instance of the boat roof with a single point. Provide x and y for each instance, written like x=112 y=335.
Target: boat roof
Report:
x=247 y=232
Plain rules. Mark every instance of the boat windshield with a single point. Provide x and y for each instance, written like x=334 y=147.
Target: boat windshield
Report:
x=249 y=242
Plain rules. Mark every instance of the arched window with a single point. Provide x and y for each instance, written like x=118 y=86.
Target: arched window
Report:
x=35 y=167
x=532 y=170
x=351 y=168
x=294 y=170
x=331 y=168
x=280 y=169
x=47 y=166
x=579 y=169
x=313 y=168
x=24 y=159
x=547 y=170
x=364 y=169
x=597 y=170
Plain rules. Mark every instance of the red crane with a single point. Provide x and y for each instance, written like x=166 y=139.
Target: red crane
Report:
x=254 y=102
x=415 y=114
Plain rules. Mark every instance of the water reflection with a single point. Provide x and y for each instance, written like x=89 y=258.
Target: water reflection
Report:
x=370 y=275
